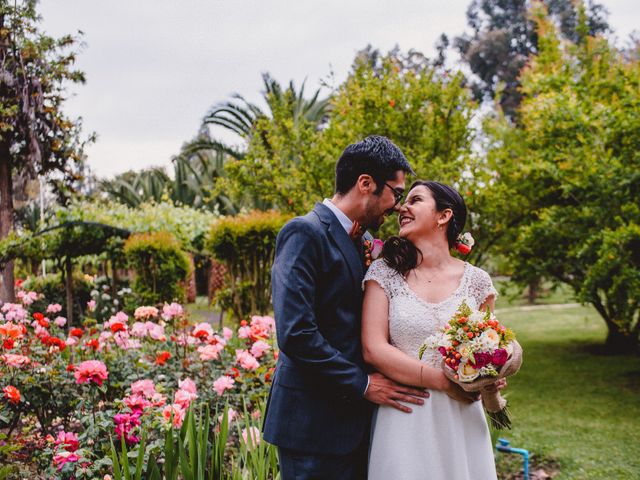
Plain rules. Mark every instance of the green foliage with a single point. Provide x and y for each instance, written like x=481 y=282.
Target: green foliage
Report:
x=52 y=288
x=246 y=246
x=290 y=161
x=160 y=264
x=187 y=224
x=570 y=171
x=503 y=37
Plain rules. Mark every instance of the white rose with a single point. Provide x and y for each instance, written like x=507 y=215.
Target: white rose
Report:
x=491 y=338
x=466 y=373
x=477 y=317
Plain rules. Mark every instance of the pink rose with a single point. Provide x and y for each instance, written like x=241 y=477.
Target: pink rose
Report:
x=481 y=359
x=258 y=348
x=223 y=383
x=60 y=321
x=178 y=414
x=144 y=387
x=188 y=385
x=210 y=352
x=376 y=248
x=227 y=333
x=54 y=308
x=246 y=360
x=251 y=437
x=91 y=371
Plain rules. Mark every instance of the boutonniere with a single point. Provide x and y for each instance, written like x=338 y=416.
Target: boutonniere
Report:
x=372 y=250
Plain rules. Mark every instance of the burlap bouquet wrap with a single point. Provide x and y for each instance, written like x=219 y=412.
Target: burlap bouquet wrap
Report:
x=492 y=401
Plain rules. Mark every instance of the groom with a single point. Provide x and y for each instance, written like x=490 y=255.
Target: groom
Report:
x=320 y=404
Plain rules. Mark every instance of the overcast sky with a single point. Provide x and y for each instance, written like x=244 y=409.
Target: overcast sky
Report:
x=154 y=67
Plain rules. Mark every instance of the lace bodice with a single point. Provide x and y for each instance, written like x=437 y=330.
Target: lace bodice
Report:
x=411 y=319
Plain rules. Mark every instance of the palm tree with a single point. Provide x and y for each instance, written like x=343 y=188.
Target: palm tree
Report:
x=241 y=116
x=133 y=188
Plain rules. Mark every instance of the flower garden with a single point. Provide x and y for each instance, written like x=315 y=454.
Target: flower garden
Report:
x=82 y=402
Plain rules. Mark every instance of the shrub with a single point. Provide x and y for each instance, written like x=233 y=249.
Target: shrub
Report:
x=160 y=265
x=52 y=288
x=246 y=244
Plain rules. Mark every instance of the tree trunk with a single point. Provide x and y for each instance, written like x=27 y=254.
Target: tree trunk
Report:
x=7 y=290
x=533 y=291
x=620 y=343
x=68 y=269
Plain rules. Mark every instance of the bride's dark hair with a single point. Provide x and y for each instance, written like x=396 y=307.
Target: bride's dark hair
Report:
x=402 y=255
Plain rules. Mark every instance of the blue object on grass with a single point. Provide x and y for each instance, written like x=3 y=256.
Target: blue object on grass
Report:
x=503 y=446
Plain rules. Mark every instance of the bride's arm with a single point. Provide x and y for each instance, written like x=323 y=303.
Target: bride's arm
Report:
x=383 y=356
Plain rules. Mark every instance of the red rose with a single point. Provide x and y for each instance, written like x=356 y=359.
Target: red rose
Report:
x=75 y=332
x=117 y=327
x=463 y=249
x=38 y=316
x=12 y=394
x=482 y=359
x=8 y=344
x=499 y=357
x=71 y=367
x=162 y=357
x=93 y=343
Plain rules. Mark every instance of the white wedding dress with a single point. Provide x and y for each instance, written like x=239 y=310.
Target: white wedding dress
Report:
x=443 y=439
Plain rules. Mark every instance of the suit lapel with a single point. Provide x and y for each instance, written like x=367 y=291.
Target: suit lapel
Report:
x=342 y=240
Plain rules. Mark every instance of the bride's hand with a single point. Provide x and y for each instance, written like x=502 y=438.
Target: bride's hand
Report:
x=457 y=393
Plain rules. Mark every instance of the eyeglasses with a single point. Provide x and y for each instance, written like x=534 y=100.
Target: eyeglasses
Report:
x=398 y=195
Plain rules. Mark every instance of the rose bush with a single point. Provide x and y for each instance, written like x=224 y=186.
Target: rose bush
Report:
x=67 y=393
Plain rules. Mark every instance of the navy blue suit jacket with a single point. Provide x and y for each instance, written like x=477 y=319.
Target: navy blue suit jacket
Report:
x=316 y=402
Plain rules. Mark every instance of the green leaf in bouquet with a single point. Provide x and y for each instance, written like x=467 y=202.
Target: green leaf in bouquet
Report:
x=423 y=348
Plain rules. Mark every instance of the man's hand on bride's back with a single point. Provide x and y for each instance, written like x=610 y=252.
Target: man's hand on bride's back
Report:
x=384 y=391
x=456 y=392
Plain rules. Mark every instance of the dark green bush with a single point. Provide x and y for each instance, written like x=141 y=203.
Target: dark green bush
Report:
x=160 y=265
x=245 y=244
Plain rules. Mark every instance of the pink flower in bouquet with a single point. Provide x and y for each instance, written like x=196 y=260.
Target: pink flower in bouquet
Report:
x=258 y=348
x=481 y=359
x=15 y=360
x=144 y=387
x=68 y=441
x=63 y=457
x=91 y=371
x=251 y=437
x=210 y=352
x=202 y=331
x=54 y=308
x=91 y=305
x=246 y=360
x=171 y=311
x=223 y=383
x=60 y=321
x=227 y=333
x=178 y=414
x=499 y=357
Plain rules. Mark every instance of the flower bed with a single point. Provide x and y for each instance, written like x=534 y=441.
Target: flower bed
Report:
x=133 y=381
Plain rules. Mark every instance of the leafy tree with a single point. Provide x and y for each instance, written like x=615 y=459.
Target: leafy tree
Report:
x=578 y=183
x=425 y=110
x=36 y=138
x=503 y=37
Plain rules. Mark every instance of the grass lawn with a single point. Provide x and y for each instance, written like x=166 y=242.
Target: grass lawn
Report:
x=569 y=402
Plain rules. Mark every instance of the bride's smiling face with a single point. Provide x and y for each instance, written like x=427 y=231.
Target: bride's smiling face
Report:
x=419 y=215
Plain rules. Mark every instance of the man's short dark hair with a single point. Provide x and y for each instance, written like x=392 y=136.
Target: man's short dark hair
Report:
x=376 y=156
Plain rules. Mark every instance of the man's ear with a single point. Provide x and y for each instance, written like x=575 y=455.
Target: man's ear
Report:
x=365 y=184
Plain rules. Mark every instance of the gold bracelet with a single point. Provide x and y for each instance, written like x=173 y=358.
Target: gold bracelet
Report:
x=421 y=367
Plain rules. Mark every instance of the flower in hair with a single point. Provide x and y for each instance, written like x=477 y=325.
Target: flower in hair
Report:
x=464 y=243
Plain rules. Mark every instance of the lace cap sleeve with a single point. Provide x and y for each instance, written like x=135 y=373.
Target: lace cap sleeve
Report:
x=384 y=275
x=481 y=286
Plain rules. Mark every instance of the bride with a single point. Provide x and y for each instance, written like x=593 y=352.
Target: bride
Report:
x=409 y=293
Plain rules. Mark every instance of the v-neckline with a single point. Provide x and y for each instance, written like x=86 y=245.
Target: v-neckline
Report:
x=451 y=295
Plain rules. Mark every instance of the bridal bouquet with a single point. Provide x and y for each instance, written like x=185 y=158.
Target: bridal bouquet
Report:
x=477 y=351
